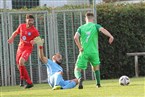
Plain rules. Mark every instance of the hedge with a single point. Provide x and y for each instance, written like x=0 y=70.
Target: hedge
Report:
x=127 y=24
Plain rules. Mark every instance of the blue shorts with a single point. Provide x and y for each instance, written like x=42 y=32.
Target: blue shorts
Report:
x=57 y=79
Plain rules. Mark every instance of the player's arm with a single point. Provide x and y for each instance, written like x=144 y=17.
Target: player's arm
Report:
x=15 y=33
x=40 y=42
x=41 y=55
x=77 y=41
x=105 y=32
x=11 y=39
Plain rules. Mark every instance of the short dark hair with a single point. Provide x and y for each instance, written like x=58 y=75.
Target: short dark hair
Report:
x=88 y=14
x=29 y=16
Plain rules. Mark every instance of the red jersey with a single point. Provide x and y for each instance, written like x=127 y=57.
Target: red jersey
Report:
x=26 y=35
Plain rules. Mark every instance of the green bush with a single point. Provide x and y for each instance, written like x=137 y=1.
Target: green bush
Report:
x=126 y=23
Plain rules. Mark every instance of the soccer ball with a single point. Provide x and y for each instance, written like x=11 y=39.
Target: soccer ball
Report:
x=124 y=80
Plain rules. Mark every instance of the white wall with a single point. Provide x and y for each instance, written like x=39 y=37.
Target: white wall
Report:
x=78 y=2
x=52 y=3
x=8 y=4
x=99 y=1
x=1 y=3
x=55 y=3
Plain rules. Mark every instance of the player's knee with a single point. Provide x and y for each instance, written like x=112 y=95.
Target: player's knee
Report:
x=75 y=80
x=94 y=68
x=77 y=69
x=61 y=73
x=21 y=61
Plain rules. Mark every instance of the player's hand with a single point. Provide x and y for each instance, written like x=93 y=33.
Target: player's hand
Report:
x=38 y=41
x=111 y=39
x=10 y=40
x=32 y=42
x=80 y=49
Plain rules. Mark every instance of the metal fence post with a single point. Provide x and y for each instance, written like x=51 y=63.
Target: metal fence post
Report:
x=65 y=41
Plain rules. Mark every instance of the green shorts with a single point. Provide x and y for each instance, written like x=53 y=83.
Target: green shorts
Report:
x=83 y=59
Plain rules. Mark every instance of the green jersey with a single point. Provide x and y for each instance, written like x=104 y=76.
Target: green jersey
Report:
x=89 y=37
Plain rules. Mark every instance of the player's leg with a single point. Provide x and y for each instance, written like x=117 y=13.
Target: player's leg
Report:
x=18 y=55
x=95 y=61
x=25 y=73
x=70 y=84
x=50 y=81
x=96 y=71
x=80 y=64
x=78 y=75
x=57 y=78
x=77 y=72
x=22 y=60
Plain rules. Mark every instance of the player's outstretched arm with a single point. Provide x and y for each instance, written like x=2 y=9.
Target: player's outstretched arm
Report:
x=41 y=55
x=40 y=42
x=11 y=39
x=105 y=32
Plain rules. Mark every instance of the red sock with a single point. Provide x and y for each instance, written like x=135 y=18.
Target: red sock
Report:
x=21 y=72
x=26 y=75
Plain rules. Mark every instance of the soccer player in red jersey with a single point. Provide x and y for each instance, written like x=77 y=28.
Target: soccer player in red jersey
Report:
x=27 y=33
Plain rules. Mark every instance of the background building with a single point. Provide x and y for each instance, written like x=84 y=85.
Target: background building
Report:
x=15 y=4
x=8 y=4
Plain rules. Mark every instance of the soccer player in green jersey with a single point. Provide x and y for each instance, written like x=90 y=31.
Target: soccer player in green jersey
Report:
x=86 y=39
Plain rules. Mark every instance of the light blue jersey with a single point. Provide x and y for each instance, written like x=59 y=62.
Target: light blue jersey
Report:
x=54 y=78
x=53 y=67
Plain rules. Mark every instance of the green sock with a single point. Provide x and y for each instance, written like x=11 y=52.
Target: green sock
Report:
x=97 y=76
x=77 y=74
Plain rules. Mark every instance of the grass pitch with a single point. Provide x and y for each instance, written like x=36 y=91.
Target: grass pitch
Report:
x=110 y=88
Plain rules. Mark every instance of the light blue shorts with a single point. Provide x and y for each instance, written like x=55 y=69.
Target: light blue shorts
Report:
x=57 y=79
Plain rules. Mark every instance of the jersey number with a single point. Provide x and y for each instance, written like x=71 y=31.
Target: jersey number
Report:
x=88 y=36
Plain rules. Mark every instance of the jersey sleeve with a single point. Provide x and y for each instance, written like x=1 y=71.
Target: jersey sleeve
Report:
x=18 y=29
x=36 y=33
x=79 y=31
x=49 y=62
x=98 y=27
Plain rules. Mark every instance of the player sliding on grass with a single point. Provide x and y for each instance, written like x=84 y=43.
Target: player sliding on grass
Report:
x=27 y=33
x=86 y=38
x=54 y=69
